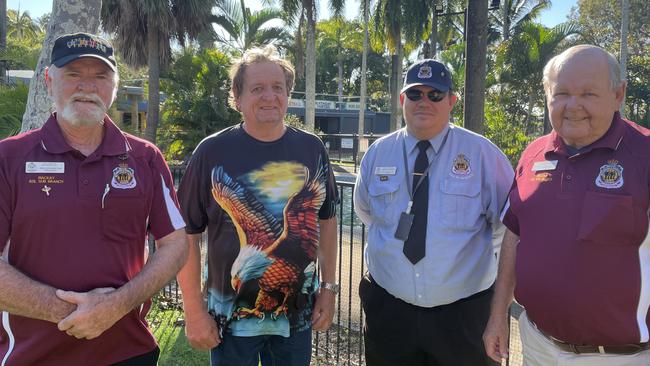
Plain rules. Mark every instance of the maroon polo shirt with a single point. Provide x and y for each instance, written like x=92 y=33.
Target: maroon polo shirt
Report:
x=583 y=262
x=79 y=223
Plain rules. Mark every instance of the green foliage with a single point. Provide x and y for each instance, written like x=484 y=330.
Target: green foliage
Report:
x=24 y=41
x=601 y=22
x=197 y=89
x=510 y=137
x=243 y=28
x=13 y=100
x=293 y=121
x=340 y=42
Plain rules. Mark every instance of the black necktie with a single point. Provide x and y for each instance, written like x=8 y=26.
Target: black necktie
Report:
x=414 y=246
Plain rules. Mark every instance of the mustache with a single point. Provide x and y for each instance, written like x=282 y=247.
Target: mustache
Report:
x=88 y=97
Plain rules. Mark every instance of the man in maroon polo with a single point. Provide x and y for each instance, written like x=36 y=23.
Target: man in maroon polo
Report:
x=77 y=199
x=577 y=247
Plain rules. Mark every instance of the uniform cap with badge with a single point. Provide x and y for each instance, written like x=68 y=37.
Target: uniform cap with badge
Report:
x=428 y=72
x=70 y=47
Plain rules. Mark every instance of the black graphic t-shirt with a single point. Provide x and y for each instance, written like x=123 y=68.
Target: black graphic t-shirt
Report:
x=261 y=202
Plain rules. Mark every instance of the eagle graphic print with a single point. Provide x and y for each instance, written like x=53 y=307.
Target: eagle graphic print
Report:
x=274 y=210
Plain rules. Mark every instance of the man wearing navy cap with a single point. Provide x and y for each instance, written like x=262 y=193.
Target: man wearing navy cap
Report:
x=430 y=194
x=77 y=200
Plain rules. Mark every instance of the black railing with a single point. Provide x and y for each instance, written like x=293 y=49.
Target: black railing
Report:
x=342 y=344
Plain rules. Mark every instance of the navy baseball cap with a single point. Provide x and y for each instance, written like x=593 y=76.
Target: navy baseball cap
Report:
x=428 y=72
x=70 y=47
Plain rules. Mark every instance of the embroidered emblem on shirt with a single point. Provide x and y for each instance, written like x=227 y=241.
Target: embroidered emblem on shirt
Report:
x=46 y=189
x=383 y=178
x=542 y=177
x=425 y=72
x=610 y=175
x=460 y=167
x=123 y=177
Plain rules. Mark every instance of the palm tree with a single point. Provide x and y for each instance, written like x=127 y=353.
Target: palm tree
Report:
x=362 y=142
x=514 y=13
x=625 y=22
x=244 y=28
x=143 y=31
x=399 y=23
x=21 y=25
x=308 y=8
x=68 y=16
x=3 y=37
x=522 y=59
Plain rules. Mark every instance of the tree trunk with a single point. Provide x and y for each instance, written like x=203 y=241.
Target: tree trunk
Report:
x=396 y=85
x=3 y=38
x=475 y=52
x=547 y=120
x=433 y=37
x=310 y=79
x=153 y=106
x=135 y=121
x=625 y=21
x=363 y=143
x=300 y=52
x=339 y=64
x=68 y=16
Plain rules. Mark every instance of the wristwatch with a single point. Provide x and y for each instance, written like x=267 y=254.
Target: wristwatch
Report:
x=334 y=287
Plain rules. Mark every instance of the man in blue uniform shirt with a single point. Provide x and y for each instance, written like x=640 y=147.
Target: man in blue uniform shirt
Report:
x=430 y=194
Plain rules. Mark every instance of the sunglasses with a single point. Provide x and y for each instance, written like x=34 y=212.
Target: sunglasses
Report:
x=433 y=95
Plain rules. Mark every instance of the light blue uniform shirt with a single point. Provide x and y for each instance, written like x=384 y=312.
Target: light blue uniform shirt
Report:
x=468 y=186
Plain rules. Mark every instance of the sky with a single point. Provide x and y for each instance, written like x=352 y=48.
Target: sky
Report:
x=557 y=14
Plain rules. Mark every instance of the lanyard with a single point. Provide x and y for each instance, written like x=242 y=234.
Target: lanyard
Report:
x=409 y=184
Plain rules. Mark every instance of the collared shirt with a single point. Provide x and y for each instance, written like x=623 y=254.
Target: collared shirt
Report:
x=79 y=223
x=583 y=261
x=468 y=185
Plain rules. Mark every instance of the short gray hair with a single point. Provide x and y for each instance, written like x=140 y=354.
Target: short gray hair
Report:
x=557 y=61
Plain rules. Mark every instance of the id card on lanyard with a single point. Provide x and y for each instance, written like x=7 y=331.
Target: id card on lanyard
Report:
x=406 y=217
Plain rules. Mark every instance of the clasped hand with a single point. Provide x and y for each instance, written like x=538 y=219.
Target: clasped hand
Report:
x=95 y=313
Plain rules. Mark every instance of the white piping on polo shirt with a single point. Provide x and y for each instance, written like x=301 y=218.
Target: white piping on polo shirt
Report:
x=644 y=295
x=506 y=206
x=172 y=210
x=10 y=334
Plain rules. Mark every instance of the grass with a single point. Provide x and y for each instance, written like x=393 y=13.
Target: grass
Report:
x=167 y=323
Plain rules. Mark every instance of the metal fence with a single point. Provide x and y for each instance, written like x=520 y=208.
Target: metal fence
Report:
x=342 y=344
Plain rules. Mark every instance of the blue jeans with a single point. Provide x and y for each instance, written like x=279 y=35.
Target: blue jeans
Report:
x=270 y=350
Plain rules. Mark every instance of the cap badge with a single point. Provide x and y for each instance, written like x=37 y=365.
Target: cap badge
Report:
x=85 y=42
x=461 y=167
x=425 y=72
x=610 y=175
x=123 y=177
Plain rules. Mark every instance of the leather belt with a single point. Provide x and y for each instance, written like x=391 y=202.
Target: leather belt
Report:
x=619 y=349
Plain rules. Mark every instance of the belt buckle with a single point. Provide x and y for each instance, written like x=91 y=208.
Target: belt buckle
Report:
x=601 y=350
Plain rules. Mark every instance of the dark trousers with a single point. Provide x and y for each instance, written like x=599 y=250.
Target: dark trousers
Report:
x=397 y=333
x=147 y=359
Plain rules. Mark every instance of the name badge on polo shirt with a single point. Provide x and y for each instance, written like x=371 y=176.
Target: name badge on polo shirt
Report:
x=44 y=167
x=385 y=170
x=544 y=165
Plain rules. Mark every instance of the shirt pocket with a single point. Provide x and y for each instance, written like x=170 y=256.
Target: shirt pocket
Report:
x=124 y=216
x=460 y=203
x=383 y=201
x=607 y=219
